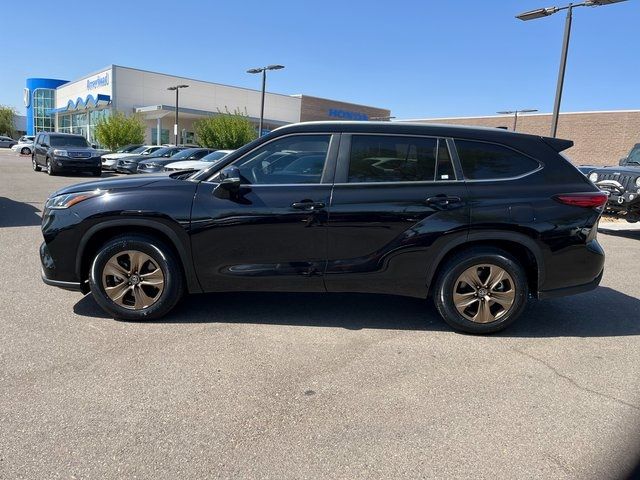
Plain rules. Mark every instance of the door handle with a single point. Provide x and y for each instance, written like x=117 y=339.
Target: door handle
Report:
x=442 y=200
x=308 y=205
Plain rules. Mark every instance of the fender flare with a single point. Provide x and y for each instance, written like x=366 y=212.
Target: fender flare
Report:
x=489 y=235
x=184 y=251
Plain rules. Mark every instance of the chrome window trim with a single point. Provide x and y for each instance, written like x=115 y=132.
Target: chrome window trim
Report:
x=505 y=179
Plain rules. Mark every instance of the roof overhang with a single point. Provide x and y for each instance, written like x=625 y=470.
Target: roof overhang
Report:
x=153 y=112
x=89 y=101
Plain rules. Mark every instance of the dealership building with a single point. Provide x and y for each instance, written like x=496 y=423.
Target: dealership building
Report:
x=77 y=106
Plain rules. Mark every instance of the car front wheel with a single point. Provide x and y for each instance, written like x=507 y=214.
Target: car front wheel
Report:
x=25 y=151
x=36 y=167
x=136 y=277
x=50 y=168
x=482 y=290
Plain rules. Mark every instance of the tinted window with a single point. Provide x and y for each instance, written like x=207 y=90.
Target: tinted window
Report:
x=64 y=141
x=482 y=161
x=215 y=156
x=293 y=159
x=378 y=158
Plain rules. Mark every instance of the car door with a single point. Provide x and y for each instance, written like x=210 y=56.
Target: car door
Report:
x=397 y=202
x=39 y=150
x=271 y=235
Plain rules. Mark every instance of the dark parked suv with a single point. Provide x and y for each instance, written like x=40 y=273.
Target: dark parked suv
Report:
x=479 y=219
x=64 y=152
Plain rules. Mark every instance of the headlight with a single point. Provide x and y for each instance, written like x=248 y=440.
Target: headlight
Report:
x=60 y=153
x=152 y=165
x=638 y=182
x=593 y=176
x=67 y=200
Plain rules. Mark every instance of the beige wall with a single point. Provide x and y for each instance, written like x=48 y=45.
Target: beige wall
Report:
x=600 y=138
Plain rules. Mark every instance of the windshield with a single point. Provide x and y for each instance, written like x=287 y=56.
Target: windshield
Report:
x=184 y=154
x=127 y=149
x=64 y=141
x=214 y=156
x=634 y=155
x=139 y=149
x=163 y=152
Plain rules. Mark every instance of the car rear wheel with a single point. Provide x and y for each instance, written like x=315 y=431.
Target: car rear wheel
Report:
x=97 y=173
x=36 y=167
x=482 y=290
x=136 y=277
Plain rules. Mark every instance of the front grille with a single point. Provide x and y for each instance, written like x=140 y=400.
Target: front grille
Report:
x=627 y=181
x=79 y=154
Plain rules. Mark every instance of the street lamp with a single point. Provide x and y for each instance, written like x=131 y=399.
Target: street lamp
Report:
x=545 y=12
x=515 y=115
x=175 y=126
x=263 y=70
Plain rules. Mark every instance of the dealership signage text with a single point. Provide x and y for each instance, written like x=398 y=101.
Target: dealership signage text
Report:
x=99 y=81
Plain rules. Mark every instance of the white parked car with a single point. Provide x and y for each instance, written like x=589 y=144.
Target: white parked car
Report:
x=24 y=145
x=201 y=164
x=110 y=160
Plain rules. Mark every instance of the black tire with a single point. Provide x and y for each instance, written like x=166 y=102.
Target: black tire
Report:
x=36 y=167
x=97 y=173
x=160 y=254
x=25 y=151
x=50 y=168
x=450 y=275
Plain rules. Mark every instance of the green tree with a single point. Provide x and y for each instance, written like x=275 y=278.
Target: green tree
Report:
x=6 y=121
x=225 y=131
x=118 y=130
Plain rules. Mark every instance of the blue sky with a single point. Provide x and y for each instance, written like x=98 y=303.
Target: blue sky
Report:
x=418 y=58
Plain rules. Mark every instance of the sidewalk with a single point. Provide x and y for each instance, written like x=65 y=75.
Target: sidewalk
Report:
x=618 y=226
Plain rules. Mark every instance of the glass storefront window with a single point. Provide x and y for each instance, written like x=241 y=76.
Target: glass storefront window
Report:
x=43 y=100
x=164 y=136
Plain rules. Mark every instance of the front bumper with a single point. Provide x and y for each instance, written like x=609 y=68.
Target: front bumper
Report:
x=146 y=169
x=76 y=164
x=49 y=272
x=127 y=168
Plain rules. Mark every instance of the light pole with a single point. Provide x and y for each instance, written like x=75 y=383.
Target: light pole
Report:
x=515 y=115
x=545 y=12
x=175 y=126
x=263 y=70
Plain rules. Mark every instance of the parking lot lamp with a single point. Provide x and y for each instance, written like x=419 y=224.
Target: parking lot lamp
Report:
x=545 y=12
x=263 y=70
x=515 y=115
x=175 y=126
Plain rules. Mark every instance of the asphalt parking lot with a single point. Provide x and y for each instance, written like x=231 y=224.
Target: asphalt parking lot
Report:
x=308 y=386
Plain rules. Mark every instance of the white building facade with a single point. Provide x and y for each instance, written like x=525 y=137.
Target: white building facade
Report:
x=80 y=104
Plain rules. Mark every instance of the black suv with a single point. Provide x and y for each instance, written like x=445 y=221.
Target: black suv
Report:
x=64 y=152
x=478 y=219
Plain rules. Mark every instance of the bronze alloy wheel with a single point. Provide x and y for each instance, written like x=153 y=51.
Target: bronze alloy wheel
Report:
x=133 y=280
x=484 y=293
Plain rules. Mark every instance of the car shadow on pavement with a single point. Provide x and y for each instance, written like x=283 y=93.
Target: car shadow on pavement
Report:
x=18 y=214
x=633 y=234
x=585 y=315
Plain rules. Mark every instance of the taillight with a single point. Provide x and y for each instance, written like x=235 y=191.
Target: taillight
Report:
x=587 y=200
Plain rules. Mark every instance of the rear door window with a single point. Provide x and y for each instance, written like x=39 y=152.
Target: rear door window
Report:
x=489 y=161
x=380 y=158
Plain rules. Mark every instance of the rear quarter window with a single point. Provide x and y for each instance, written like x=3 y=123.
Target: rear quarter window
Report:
x=488 y=161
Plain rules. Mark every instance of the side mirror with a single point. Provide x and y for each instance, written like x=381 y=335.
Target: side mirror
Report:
x=93 y=145
x=229 y=182
x=622 y=161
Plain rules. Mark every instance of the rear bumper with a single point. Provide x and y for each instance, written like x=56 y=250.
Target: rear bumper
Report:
x=564 y=292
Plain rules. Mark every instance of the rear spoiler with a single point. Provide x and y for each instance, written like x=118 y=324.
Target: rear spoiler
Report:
x=558 y=144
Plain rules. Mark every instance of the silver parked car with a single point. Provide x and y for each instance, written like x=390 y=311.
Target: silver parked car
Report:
x=7 y=142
